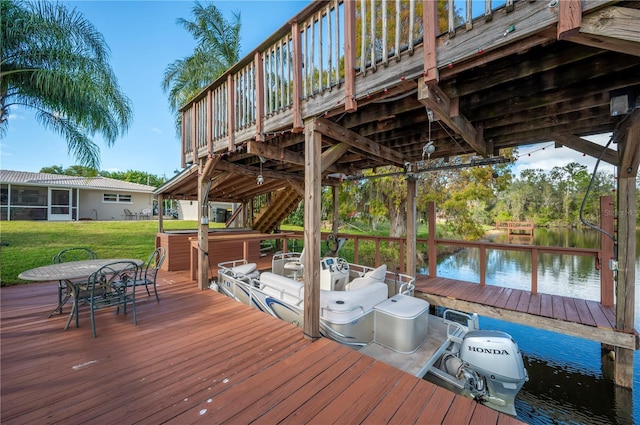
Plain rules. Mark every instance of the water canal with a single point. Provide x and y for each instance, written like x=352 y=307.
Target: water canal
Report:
x=566 y=383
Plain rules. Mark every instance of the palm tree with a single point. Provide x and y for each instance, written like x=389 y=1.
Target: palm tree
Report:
x=217 y=49
x=55 y=62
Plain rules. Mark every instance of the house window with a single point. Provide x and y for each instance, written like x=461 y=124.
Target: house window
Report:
x=116 y=197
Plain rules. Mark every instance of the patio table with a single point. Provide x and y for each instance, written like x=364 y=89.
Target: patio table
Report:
x=70 y=272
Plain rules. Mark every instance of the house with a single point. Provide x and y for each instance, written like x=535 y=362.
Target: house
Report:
x=56 y=197
x=184 y=206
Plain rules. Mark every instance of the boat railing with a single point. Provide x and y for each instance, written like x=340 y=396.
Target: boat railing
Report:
x=342 y=310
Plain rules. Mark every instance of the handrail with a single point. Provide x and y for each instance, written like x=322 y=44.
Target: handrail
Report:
x=482 y=246
x=321 y=51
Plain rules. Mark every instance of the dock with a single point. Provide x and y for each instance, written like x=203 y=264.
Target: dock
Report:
x=570 y=316
x=199 y=357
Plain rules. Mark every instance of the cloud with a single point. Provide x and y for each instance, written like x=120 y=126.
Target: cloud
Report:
x=545 y=156
x=156 y=130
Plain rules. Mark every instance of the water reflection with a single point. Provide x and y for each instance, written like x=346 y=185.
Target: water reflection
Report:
x=567 y=384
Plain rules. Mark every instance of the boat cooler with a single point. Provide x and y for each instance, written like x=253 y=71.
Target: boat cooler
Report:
x=401 y=323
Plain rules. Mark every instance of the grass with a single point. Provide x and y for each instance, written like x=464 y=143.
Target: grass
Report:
x=32 y=244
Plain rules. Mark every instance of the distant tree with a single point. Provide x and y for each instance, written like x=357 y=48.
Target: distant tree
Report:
x=54 y=169
x=131 y=176
x=217 y=50
x=56 y=63
x=74 y=170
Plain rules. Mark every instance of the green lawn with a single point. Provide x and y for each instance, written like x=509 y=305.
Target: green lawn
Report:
x=29 y=244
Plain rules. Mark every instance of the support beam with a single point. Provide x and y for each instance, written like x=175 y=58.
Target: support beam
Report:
x=586 y=147
x=432 y=96
x=432 y=250
x=625 y=289
x=160 y=213
x=203 y=227
x=281 y=154
x=411 y=226
x=312 y=214
x=629 y=145
x=614 y=28
x=337 y=132
x=334 y=153
x=297 y=187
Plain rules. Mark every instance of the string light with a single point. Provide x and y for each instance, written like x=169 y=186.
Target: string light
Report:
x=533 y=151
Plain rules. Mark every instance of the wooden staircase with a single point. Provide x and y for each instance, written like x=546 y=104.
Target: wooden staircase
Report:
x=283 y=202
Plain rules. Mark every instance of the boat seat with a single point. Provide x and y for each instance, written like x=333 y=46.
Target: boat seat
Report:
x=245 y=271
x=379 y=273
x=282 y=287
x=376 y=275
x=346 y=306
x=359 y=282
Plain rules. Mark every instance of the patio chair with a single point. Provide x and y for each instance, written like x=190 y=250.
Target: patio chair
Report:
x=109 y=287
x=128 y=215
x=145 y=214
x=64 y=256
x=149 y=272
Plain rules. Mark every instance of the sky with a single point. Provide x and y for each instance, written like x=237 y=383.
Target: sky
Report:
x=144 y=39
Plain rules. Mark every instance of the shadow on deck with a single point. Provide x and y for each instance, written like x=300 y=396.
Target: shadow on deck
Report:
x=198 y=357
x=571 y=316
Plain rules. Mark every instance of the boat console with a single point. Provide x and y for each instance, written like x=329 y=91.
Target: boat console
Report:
x=334 y=273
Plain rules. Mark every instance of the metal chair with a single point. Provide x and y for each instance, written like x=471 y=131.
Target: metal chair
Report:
x=128 y=215
x=64 y=256
x=108 y=287
x=149 y=271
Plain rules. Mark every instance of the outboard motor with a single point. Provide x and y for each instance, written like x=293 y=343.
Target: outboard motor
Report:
x=495 y=356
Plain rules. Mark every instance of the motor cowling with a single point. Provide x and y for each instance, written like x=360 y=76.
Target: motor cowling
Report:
x=493 y=353
x=495 y=356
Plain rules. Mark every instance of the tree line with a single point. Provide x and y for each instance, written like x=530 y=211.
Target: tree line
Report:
x=469 y=199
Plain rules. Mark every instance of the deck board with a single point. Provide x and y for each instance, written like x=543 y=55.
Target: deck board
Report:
x=195 y=357
x=565 y=310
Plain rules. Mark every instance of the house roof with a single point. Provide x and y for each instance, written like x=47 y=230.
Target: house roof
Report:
x=59 y=180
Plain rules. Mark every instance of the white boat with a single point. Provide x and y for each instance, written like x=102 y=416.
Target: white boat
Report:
x=374 y=311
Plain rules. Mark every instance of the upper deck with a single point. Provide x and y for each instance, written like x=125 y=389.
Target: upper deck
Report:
x=383 y=81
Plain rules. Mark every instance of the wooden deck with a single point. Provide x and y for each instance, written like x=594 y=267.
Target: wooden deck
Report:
x=198 y=357
x=572 y=316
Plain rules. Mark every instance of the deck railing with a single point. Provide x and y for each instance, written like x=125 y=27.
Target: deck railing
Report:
x=391 y=251
x=319 y=55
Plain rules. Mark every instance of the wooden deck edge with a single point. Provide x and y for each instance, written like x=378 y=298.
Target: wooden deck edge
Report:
x=604 y=336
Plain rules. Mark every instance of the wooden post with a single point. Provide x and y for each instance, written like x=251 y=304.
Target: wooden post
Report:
x=160 y=213
x=534 y=271
x=203 y=230
x=569 y=18
x=625 y=293
x=606 y=250
x=209 y=123
x=432 y=252
x=628 y=149
x=335 y=225
x=350 y=102
x=411 y=227
x=312 y=212
x=483 y=264
x=430 y=25
x=297 y=78
x=259 y=73
x=231 y=115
